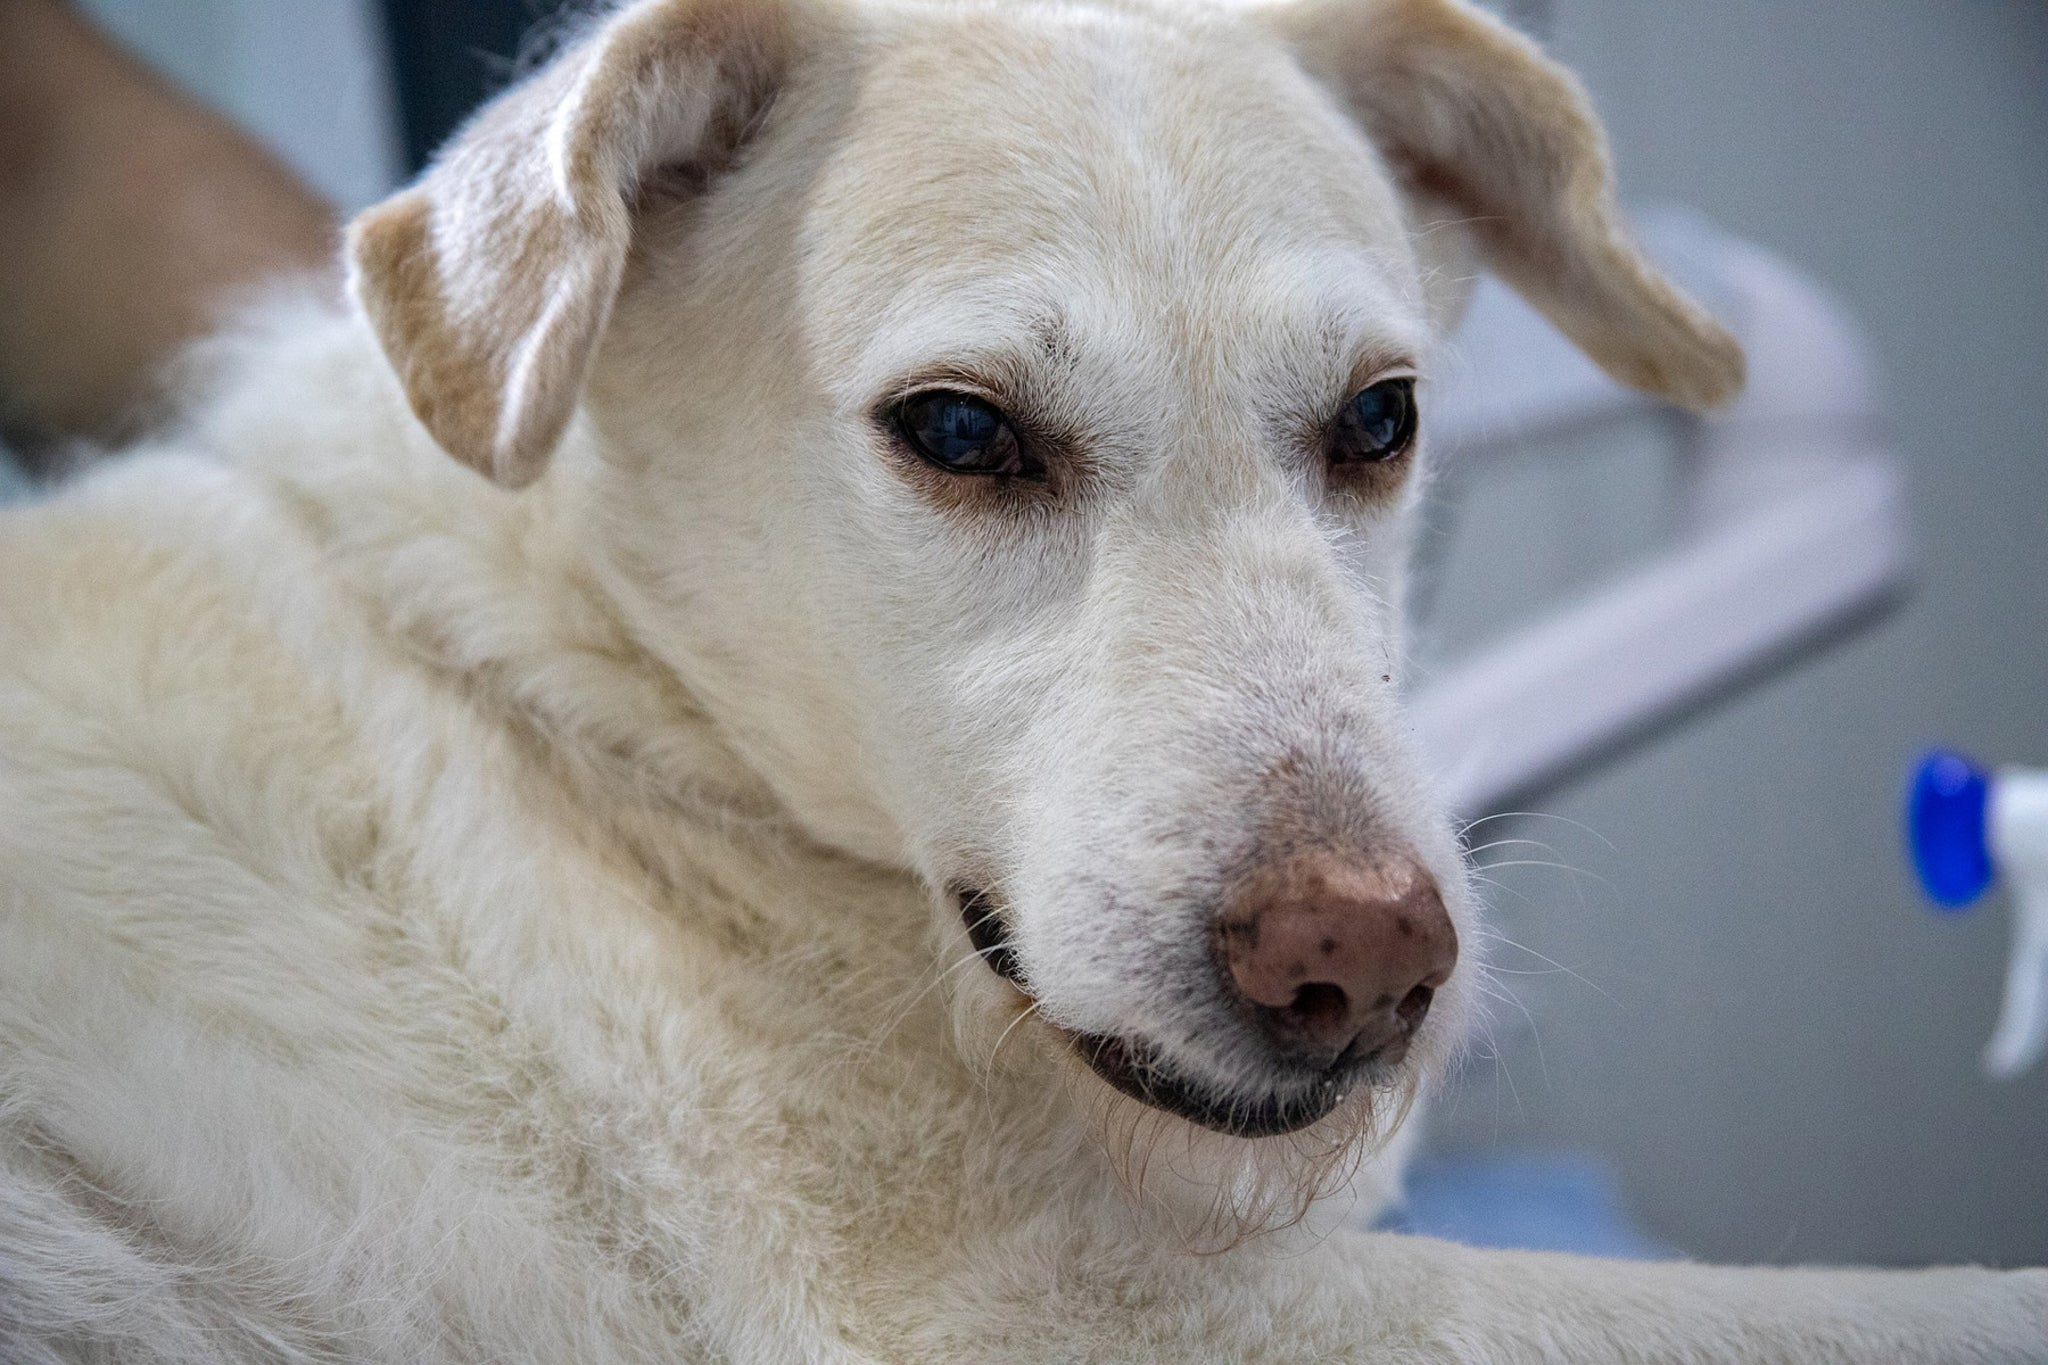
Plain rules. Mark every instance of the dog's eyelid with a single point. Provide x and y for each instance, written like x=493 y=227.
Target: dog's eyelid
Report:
x=948 y=380
x=1380 y=369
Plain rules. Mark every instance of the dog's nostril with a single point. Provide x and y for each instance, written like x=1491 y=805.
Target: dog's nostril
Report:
x=1321 y=1006
x=1414 y=1005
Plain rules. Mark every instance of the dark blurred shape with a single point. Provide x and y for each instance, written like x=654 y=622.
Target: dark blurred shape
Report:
x=128 y=214
x=451 y=55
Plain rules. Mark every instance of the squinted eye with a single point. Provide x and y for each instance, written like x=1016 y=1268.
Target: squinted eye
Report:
x=1376 y=425
x=960 y=433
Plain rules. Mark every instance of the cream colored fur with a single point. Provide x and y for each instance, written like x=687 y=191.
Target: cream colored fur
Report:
x=445 y=922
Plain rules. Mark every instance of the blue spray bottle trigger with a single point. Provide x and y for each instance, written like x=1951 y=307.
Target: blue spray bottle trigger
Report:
x=1966 y=827
x=1945 y=828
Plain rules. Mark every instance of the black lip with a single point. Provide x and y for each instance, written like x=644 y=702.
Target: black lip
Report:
x=1137 y=1069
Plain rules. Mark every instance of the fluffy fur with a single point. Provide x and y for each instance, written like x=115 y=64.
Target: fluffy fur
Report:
x=445 y=919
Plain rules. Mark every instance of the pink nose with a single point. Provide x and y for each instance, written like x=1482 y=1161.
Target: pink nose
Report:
x=1336 y=955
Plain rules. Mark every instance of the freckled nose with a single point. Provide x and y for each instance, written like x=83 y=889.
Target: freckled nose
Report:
x=1333 y=953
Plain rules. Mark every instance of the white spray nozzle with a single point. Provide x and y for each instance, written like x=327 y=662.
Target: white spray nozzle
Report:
x=1968 y=828
x=2019 y=851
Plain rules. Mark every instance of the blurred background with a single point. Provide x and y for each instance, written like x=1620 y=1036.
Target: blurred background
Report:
x=1763 y=1026
x=1733 y=1017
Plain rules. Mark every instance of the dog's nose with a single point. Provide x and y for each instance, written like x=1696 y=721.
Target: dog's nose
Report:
x=1335 y=953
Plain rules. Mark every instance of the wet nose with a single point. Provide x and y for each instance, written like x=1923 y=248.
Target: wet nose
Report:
x=1335 y=954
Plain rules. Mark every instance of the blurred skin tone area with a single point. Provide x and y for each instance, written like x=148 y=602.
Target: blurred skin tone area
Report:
x=128 y=215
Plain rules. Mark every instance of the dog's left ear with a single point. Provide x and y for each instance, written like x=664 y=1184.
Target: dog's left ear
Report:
x=490 y=281
x=1470 y=113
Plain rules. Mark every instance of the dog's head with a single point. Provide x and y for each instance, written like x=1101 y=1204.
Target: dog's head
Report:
x=1008 y=418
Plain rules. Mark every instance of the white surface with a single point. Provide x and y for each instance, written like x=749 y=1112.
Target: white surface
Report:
x=1793 y=517
x=1553 y=695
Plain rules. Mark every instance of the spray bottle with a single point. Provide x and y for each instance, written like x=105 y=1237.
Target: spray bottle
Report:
x=1967 y=828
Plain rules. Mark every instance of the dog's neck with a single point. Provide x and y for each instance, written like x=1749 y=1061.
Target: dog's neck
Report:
x=493 y=592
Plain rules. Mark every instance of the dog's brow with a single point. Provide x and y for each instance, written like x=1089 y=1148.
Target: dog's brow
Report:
x=1054 y=341
x=1377 y=362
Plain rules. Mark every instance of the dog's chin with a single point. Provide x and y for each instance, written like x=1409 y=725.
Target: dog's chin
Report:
x=1141 y=1072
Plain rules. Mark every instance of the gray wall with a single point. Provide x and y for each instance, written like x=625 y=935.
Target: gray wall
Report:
x=1761 y=1024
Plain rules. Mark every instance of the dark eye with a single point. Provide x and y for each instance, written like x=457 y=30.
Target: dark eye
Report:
x=960 y=433
x=1376 y=425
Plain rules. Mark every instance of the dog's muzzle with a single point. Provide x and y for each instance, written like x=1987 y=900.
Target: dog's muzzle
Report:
x=1328 y=960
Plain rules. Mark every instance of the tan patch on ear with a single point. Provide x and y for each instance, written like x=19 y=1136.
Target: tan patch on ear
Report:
x=490 y=282
x=1473 y=114
x=400 y=286
x=491 y=356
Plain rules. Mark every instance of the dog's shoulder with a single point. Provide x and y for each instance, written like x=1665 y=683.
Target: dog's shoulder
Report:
x=377 y=931
x=133 y=646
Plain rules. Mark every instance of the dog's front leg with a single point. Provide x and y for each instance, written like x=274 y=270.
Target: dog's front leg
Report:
x=1432 y=1300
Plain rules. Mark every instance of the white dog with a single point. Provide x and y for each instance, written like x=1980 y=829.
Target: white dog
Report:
x=872 y=822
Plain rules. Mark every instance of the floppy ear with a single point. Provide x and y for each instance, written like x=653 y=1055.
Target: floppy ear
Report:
x=1470 y=113
x=490 y=280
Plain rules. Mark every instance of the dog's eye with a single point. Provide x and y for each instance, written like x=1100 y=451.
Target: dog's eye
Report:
x=1376 y=425
x=960 y=433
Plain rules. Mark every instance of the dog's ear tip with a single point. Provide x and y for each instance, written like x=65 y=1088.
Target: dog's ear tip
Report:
x=510 y=448
x=514 y=463
x=1705 y=377
x=1724 y=381
x=520 y=476
x=1713 y=373
x=511 y=463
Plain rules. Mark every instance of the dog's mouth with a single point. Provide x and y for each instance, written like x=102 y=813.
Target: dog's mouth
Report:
x=1141 y=1071
x=1138 y=1071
